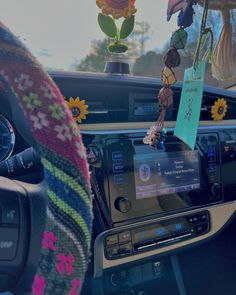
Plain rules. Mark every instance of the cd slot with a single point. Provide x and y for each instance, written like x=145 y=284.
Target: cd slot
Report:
x=160 y=242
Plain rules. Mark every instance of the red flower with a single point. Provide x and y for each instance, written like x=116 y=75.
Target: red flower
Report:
x=117 y=8
x=65 y=264
x=49 y=240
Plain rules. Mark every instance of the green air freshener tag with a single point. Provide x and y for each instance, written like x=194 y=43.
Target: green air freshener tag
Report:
x=190 y=105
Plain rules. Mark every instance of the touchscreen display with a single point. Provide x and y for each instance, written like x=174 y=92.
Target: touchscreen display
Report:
x=161 y=173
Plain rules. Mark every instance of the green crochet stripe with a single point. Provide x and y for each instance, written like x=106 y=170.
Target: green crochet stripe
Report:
x=68 y=180
x=71 y=212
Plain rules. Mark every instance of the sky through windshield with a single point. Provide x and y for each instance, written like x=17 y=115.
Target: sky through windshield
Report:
x=60 y=32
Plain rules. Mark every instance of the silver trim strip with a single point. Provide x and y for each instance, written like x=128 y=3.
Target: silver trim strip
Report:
x=219 y=214
x=134 y=126
x=147 y=246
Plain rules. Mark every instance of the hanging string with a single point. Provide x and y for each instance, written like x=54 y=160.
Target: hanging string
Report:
x=204 y=31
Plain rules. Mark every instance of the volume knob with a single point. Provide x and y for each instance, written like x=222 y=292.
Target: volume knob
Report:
x=216 y=189
x=123 y=204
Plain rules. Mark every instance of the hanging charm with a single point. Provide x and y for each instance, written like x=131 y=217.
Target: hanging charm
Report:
x=179 y=39
x=172 y=59
x=155 y=137
x=219 y=109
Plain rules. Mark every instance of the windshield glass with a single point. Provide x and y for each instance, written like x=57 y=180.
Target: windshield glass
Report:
x=65 y=35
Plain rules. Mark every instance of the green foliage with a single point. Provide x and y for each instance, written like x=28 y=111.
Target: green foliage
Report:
x=117 y=47
x=127 y=27
x=107 y=25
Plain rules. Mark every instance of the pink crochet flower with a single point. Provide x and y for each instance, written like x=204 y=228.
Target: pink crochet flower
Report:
x=65 y=264
x=76 y=285
x=38 y=285
x=49 y=240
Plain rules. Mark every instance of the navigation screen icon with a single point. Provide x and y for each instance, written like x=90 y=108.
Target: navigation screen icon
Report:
x=145 y=172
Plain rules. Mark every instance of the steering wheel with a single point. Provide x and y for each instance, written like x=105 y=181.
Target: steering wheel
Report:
x=63 y=234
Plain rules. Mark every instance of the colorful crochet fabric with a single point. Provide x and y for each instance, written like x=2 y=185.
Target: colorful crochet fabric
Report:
x=66 y=241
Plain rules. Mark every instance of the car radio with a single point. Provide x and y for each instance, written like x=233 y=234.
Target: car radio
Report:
x=143 y=182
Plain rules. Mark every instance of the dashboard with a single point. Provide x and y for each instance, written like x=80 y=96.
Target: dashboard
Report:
x=147 y=202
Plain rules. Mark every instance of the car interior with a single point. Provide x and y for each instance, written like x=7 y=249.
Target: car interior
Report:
x=164 y=218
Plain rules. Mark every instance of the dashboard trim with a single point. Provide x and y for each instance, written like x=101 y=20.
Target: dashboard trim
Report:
x=143 y=126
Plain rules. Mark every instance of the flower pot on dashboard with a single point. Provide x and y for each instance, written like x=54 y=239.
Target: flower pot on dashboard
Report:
x=117 y=64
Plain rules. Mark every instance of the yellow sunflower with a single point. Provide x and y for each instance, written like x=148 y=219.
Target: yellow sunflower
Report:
x=78 y=108
x=219 y=109
x=117 y=8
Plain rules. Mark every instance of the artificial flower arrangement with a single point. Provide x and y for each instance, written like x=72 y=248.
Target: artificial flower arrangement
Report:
x=113 y=10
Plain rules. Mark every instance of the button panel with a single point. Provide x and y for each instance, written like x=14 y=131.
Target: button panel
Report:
x=9 y=225
x=152 y=236
x=9 y=205
x=8 y=243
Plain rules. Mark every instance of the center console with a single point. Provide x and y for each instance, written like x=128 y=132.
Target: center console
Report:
x=156 y=201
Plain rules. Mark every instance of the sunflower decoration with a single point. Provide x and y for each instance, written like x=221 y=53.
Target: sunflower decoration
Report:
x=78 y=108
x=111 y=11
x=219 y=109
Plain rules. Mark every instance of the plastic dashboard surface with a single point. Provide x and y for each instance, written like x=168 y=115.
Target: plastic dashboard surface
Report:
x=220 y=205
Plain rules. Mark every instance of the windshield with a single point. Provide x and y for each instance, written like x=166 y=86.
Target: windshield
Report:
x=65 y=35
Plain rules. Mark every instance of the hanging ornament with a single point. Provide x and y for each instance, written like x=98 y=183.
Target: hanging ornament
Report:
x=155 y=135
x=172 y=58
x=165 y=97
x=219 y=109
x=168 y=77
x=185 y=18
x=78 y=108
x=179 y=39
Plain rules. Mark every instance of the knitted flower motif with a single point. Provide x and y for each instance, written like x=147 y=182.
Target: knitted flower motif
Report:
x=39 y=121
x=49 y=240
x=63 y=132
x=219 y=110
x=117 y=8
x=76 y=285
x=48 y=91
x=65 y=264
x=23 y=82
x=81 y=151
x=56 y=111
x=38 y=285
x=32 y=101
x=78 y=108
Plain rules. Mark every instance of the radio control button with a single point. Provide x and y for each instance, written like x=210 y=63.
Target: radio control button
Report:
x=216 y=189
x=126 y=248
x=204 y=217
x=112 y=240
x=113 y=251
x=194 y=219
x=201 y=229
x=123 y=204
x=125 y=237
